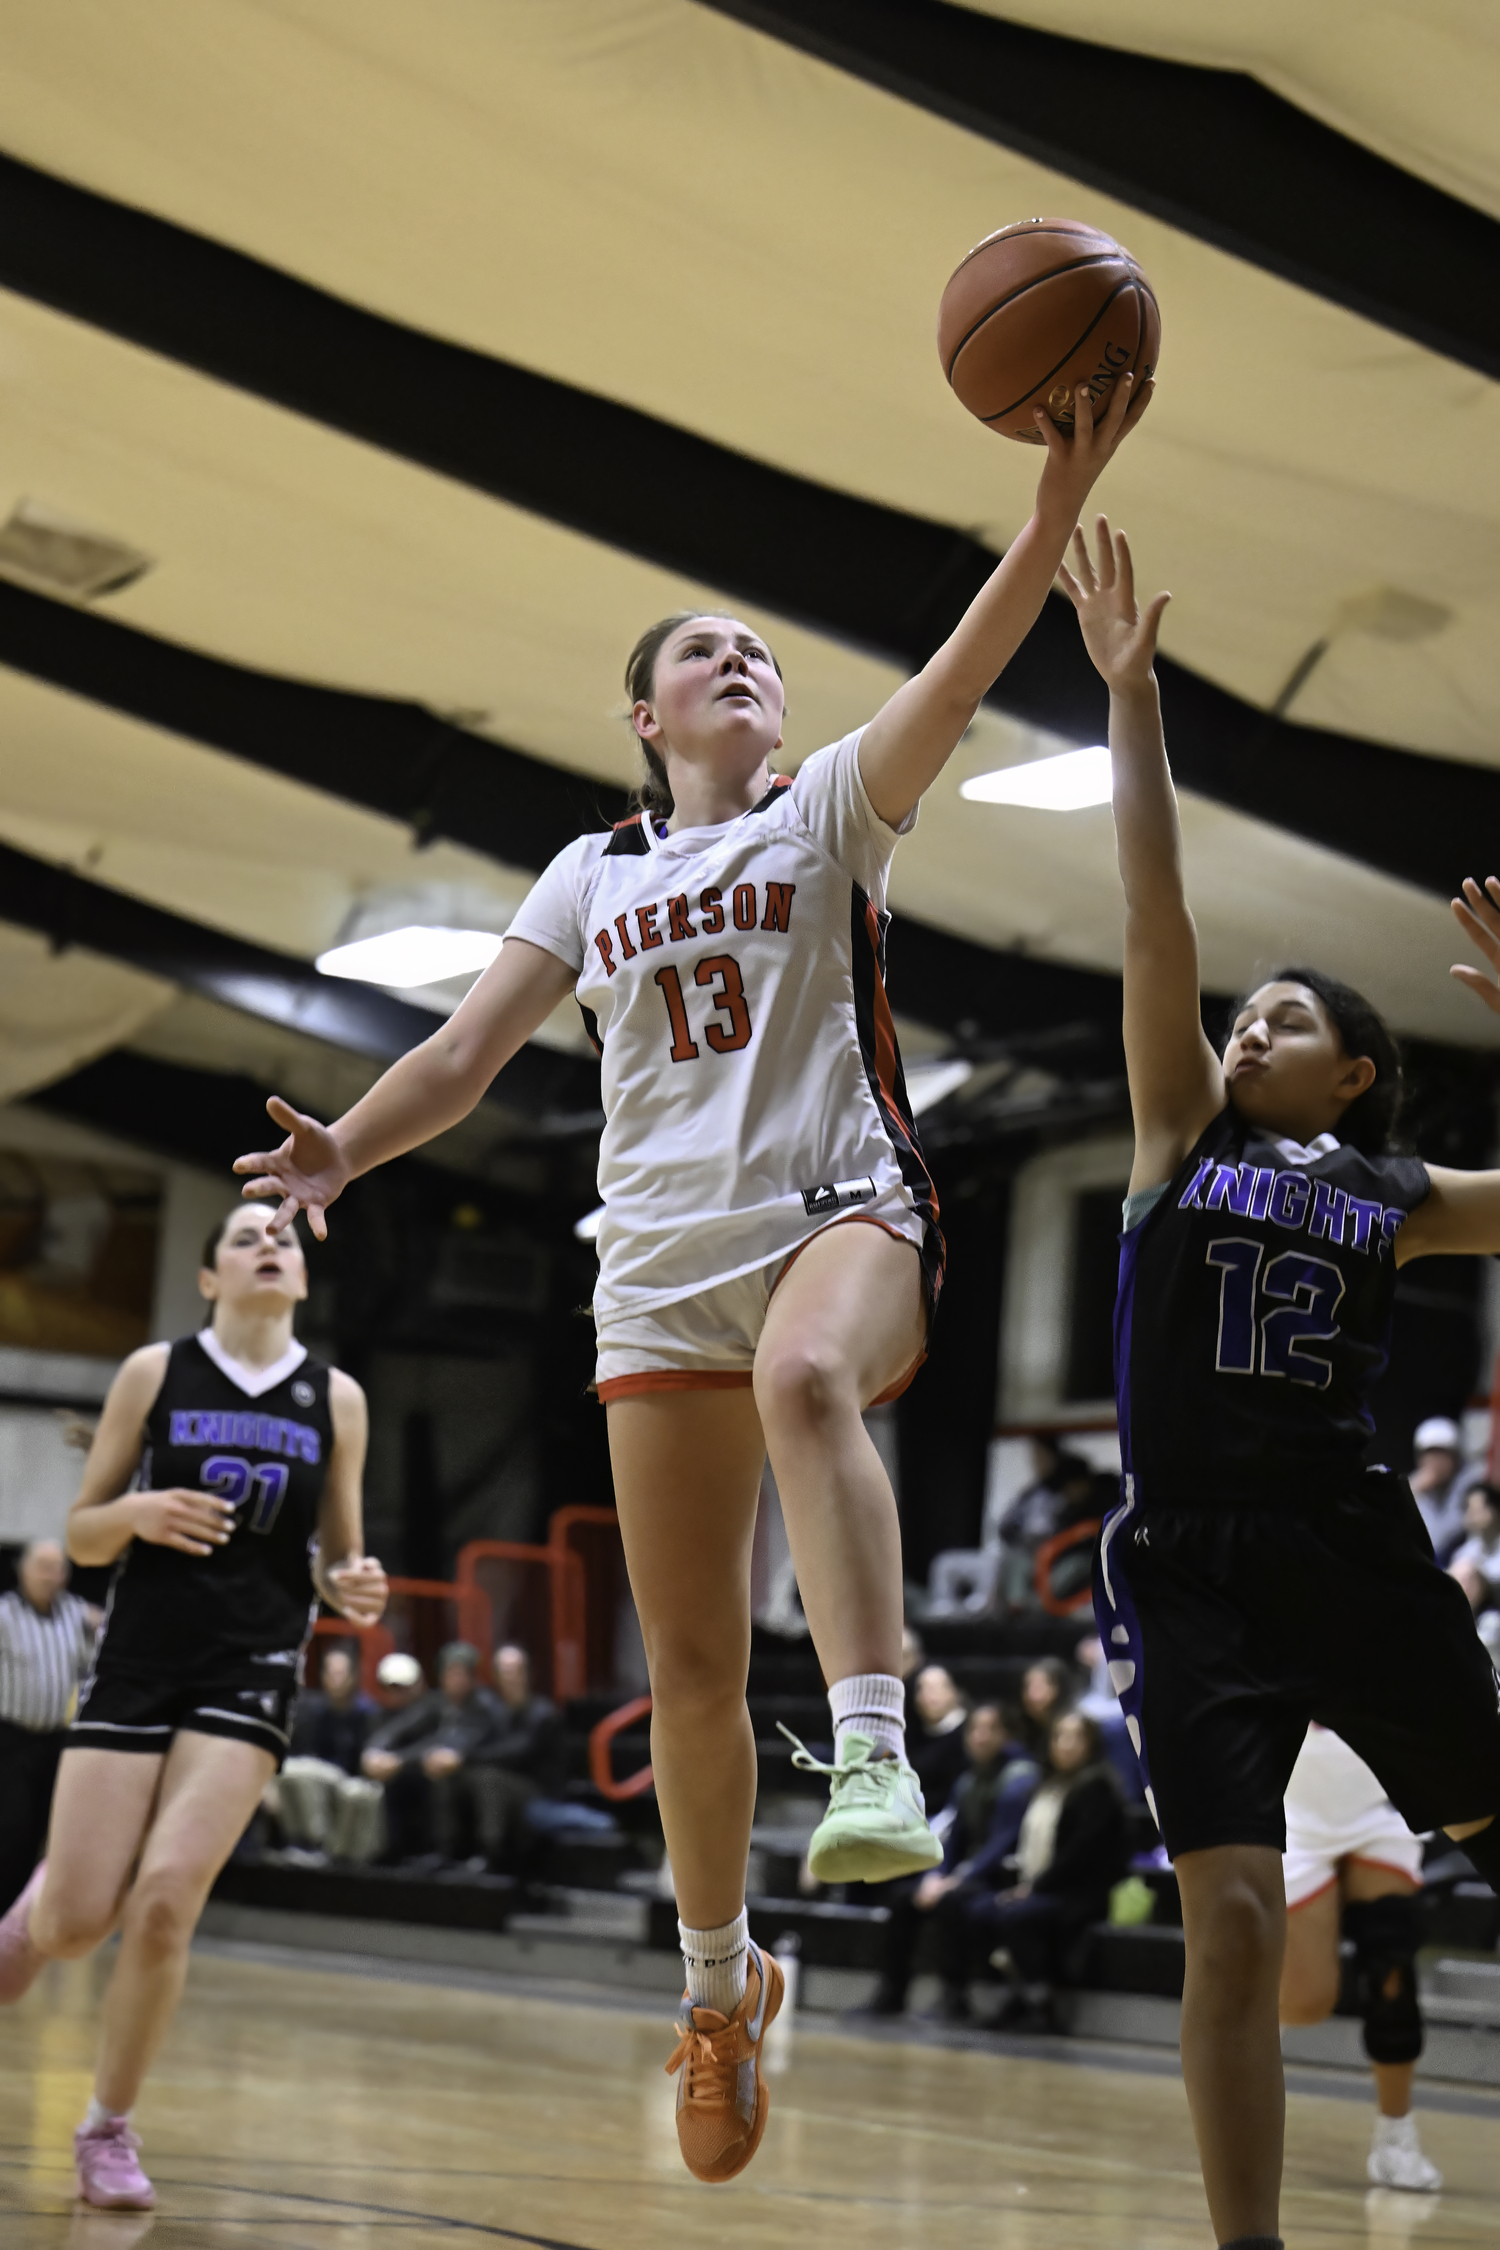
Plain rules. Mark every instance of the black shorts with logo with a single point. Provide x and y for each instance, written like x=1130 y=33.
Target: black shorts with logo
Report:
x=1229 y=1628
x=241 y=1697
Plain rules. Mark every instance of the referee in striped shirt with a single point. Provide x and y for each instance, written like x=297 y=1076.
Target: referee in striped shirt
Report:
x=46 y=1639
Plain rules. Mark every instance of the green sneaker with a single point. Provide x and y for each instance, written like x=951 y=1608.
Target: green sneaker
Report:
x=876 y=1823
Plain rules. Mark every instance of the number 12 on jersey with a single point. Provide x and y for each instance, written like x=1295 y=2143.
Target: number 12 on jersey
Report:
x=1305 y=1294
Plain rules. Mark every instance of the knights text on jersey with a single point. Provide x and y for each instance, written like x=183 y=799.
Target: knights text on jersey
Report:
x=1253 y=1317
x=733 y=980
x=169 y=1612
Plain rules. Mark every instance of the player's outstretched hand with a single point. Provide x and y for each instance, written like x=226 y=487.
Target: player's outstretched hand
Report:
x=308 y=1171
x=1075 y=462
x=192 y=1522
x=1118 y=634
x=1478 y=916
x=358 y=1590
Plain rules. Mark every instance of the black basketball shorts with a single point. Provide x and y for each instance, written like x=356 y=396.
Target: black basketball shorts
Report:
x=243 y=1698
x=1228 y=1628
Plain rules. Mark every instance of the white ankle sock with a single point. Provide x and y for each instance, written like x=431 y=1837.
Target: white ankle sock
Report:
x=872 y=1704
x=96 y=2115
x=716 y=1962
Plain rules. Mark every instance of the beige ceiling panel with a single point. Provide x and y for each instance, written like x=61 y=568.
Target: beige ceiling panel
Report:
x=61 y=1010
x=1047 y=882
x=648 y=200
x=1416 y=80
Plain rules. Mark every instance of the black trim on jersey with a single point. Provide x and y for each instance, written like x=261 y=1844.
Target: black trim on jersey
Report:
x=591 y=1026
x=877 y=1046
x=629 y=840
x=779 y=782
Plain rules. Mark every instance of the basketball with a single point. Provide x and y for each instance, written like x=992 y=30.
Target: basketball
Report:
x=1037 y=312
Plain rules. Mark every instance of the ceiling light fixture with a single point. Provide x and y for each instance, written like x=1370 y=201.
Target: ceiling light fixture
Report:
x=1066 y=783
x=415 y=954
x=587 y=1228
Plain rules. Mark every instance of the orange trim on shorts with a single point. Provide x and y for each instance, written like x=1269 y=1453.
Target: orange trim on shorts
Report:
x=1362 y=1859
x=1322 y=1891
x=675 y=1379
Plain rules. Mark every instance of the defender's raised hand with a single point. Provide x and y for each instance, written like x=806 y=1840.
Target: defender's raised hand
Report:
x=1118 y=634
x=1478 y=916
x=308 y=1171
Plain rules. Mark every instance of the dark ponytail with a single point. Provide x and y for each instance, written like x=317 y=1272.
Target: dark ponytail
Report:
x=653 y=795
x=1369 y=1123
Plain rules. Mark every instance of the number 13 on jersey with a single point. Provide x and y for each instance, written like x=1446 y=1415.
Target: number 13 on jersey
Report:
x=721 y=969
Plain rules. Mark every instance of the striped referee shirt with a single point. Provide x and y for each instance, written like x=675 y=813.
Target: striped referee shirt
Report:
x=42 y=1660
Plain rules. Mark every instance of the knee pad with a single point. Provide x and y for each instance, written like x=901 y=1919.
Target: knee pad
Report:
x=1386 y=1933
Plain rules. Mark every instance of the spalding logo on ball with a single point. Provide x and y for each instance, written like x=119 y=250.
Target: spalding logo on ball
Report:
x=1038 y=312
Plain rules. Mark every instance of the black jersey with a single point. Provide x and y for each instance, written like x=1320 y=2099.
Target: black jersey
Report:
x=269 y=1455
x=1254 y=1316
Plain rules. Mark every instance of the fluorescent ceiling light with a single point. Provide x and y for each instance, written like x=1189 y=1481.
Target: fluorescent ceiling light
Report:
x=413 y=955
x=930 y=1083
x=1065 y=783
x=587 y=1228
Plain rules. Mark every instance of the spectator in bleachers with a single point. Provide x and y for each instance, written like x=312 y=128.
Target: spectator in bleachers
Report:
x=935 y=1733
x=1048 y=1688
x=980 y=1825
x=999 y=1574
x=325 y=1806
x=1476 y=1565
x=418 y=1752
x=1441 y=1480
x=517 y=1781
x=1071 y=1852
x=46 y=1641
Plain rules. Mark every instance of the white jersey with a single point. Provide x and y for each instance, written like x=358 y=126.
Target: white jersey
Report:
x=732 y=979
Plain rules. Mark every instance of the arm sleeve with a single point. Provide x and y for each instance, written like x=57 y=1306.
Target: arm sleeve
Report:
x=550 y=915
x=829 y=793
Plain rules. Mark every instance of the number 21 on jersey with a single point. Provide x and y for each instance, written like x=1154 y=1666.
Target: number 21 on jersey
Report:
x=1275 y=1338
x=236 y=1478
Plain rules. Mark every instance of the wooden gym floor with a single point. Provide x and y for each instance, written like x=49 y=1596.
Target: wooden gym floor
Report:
x=313 y=2108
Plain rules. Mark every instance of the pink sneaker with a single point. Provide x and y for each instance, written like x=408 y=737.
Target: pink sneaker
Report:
x=19 y=1958
x=109 y=2173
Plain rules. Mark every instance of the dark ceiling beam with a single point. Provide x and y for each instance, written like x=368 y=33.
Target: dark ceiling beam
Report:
x=1213 y=152
x=400 y=760
x=888 y=581
x=71 y=910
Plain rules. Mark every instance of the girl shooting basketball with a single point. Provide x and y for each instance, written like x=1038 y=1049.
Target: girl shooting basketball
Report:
x=250 y=1455
x=726 y=947
x=1258 y=1574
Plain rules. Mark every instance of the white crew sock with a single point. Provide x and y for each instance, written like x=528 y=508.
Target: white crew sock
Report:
x=716 y=1963
x=96 y=2115
x=872 y=1704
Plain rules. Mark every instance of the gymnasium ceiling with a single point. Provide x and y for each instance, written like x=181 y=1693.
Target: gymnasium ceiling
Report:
x=429 y=353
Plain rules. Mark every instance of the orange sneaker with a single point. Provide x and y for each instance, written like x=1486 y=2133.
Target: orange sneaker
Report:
x=722 y=2099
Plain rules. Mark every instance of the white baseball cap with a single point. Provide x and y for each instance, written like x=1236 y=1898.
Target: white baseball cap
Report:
x=399 y=1670
x=1437 y=1435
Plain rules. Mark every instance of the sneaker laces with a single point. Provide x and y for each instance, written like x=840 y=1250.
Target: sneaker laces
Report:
x=695 y=2050
x=860 y=1781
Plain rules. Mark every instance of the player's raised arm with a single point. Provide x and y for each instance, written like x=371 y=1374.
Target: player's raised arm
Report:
x=421 y=1095
x=1176 y=1079
x=907 y=744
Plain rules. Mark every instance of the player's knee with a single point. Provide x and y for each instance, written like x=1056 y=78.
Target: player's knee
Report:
x=804 y=1383
x=1386 y=1933
x=694 y=1674
x=67 y=1925
x=1235 y=1939
x=162 y=1913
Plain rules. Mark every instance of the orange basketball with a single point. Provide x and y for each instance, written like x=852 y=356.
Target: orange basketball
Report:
x=1038 y=311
